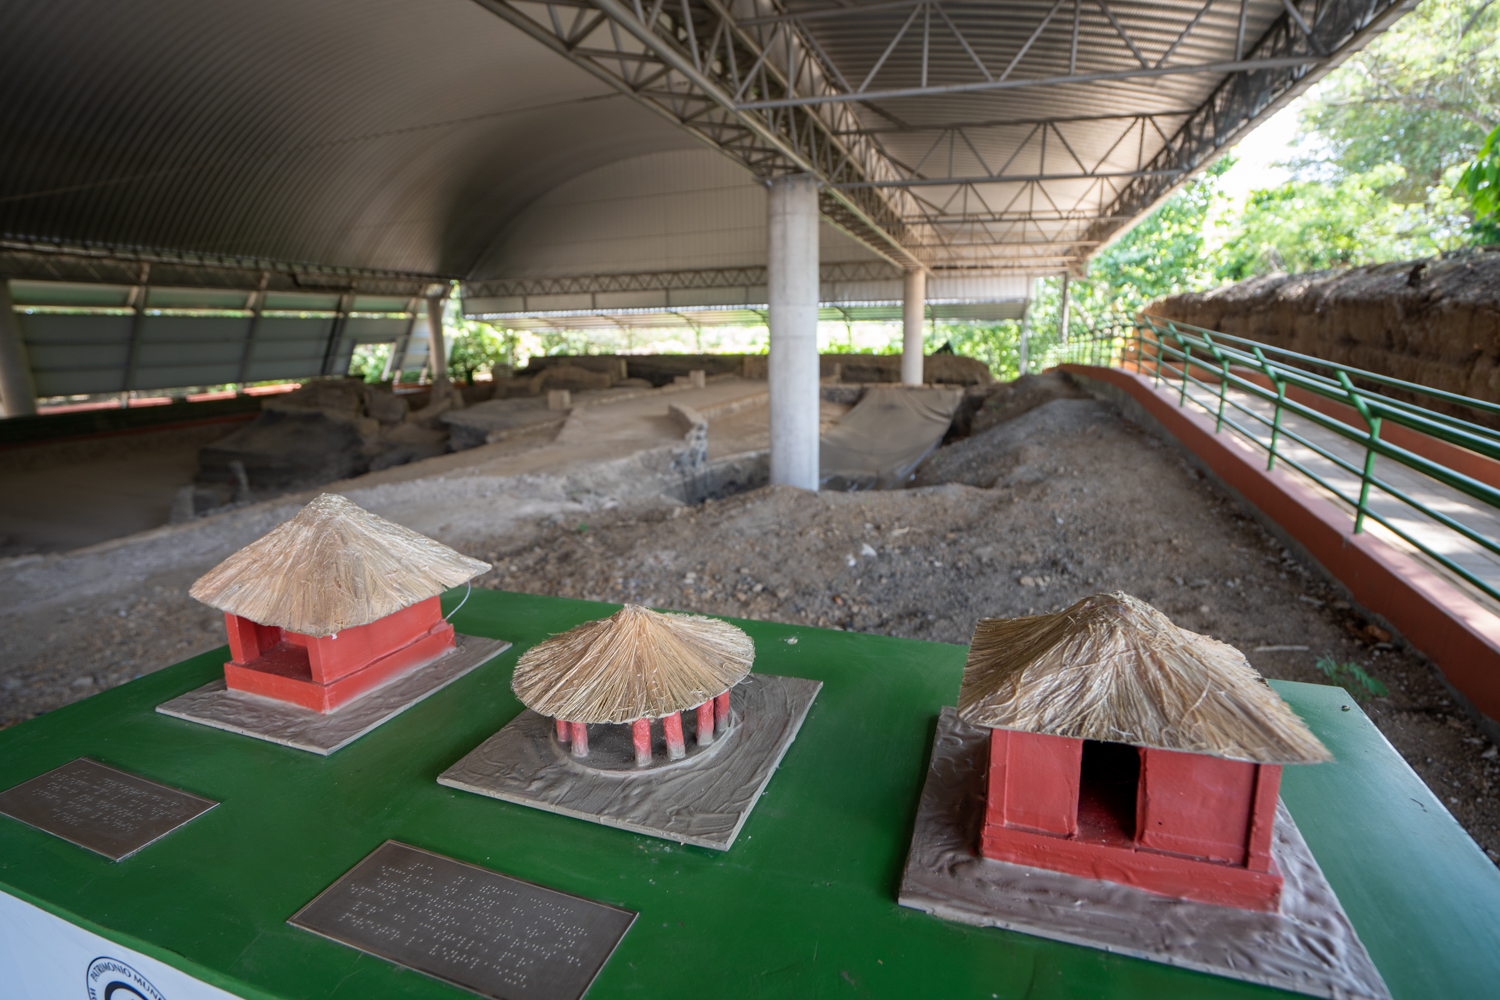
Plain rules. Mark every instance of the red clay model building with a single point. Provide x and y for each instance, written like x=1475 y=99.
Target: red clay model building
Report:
x=333 y=604
x=1126 y=749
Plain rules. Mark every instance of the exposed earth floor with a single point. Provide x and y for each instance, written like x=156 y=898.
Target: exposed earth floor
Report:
x=1055 y=502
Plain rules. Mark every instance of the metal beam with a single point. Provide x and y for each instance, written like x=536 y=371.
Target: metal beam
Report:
x=651 y=281
x=1243 y=66
x=686 y=62
x=1244 y=100
x=1011 y=178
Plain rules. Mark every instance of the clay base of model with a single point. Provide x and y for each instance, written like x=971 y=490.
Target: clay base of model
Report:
x=1307 y=945
x=321 y=732
x=702 y=799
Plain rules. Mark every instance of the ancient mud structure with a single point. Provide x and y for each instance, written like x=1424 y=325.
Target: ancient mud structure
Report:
x=1435 y=322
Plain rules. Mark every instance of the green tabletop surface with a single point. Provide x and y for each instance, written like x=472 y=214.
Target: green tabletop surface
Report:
x=803 y=905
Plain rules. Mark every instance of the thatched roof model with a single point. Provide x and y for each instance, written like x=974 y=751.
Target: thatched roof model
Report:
x=635 y=664
x=333 y=566
x=1115 y=669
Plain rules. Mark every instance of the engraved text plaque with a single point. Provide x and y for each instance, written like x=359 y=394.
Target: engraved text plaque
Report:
x=486 y=932
x=95 y=806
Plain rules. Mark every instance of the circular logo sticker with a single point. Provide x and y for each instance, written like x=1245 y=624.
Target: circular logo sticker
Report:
x=112 y=979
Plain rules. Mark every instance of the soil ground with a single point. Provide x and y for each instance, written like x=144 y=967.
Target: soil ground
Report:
x=1061 y=499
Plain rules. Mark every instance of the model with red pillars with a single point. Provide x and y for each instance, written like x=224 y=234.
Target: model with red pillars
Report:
x=333 y=604
x=1125 y=749
x=633 y=668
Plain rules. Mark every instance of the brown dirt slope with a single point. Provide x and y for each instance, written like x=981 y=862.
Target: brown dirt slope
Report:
x=1065 y=500
x=1435 y=322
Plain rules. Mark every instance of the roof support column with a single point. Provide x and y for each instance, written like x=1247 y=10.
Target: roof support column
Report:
x=1062 y=312
x=17 y=393
x=913 y=308
x=437 y=353
x=792 y=286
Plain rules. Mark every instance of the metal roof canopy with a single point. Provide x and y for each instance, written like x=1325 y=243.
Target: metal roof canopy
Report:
x=372 y=146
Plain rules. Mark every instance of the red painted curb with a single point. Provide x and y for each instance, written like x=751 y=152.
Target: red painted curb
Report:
x=1449 y=627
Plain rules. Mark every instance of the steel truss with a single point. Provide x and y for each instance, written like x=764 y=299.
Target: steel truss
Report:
x=690 y=62
x=656 y=281
x=33 y=260
x=1333 y=30
x=762 y=90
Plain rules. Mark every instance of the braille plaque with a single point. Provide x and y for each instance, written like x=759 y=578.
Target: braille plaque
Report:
x=103 y=809
x=486 y=932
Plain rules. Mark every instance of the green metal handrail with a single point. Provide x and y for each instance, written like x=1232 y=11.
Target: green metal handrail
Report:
x=1170 y=352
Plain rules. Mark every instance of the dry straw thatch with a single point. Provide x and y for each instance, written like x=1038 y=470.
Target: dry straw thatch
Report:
x=635 y=664
x=1115 y=669
x=333 y=566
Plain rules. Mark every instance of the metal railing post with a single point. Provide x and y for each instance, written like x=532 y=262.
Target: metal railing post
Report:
x=1280 y=385
x=1223 y=379
x=1374 y=424
x=1187 y=360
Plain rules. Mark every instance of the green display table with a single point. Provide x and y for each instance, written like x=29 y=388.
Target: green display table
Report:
x=803 y=905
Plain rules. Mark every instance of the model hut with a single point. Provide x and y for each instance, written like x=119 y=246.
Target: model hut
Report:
x=332 y=604
x=632 y=667
x=1126 y=749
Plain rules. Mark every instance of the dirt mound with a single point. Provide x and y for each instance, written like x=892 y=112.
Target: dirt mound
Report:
x=1013 y=453
x=1435 y=321
x=985 y=406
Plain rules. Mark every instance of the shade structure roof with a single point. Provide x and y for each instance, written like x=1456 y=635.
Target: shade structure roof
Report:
x=1113 y=668
x=367 y=150
x=333 y=566
x=635 y=664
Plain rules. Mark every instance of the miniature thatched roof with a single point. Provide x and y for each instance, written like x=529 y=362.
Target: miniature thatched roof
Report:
x=333 y=566
x=1113 y=668
x=635 y=664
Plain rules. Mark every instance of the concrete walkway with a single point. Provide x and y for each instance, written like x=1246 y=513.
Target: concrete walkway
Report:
x=1473 y=514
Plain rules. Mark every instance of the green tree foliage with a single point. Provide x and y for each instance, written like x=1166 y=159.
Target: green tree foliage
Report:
x=1422 y=97
x=1480 y=183
x=1309 y=225
x=477 y=347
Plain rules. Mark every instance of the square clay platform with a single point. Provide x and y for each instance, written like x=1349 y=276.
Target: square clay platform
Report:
x=1308 y=947
x=702 y=800
x=304 y=729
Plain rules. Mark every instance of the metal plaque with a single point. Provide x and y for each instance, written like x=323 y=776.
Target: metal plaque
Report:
x=101 y=808
x=485 y=932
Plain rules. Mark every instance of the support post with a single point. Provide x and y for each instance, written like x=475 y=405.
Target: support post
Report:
x=640 y=733
x=580 y=740
x=437 y=352
x=564 y=732
x=336 y=333
x=1023 y=362
x=17 y=392
x=721 y=712
x=1062 y=312
x=256 y=303
x=913 y=310
x=672 y=726
x=706 y=723
x=792 y=284
x=138 y=296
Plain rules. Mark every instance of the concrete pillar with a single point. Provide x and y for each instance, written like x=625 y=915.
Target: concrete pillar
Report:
x=17 y=393
x=792 y=280
x=437 y=352
x=913 y=315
